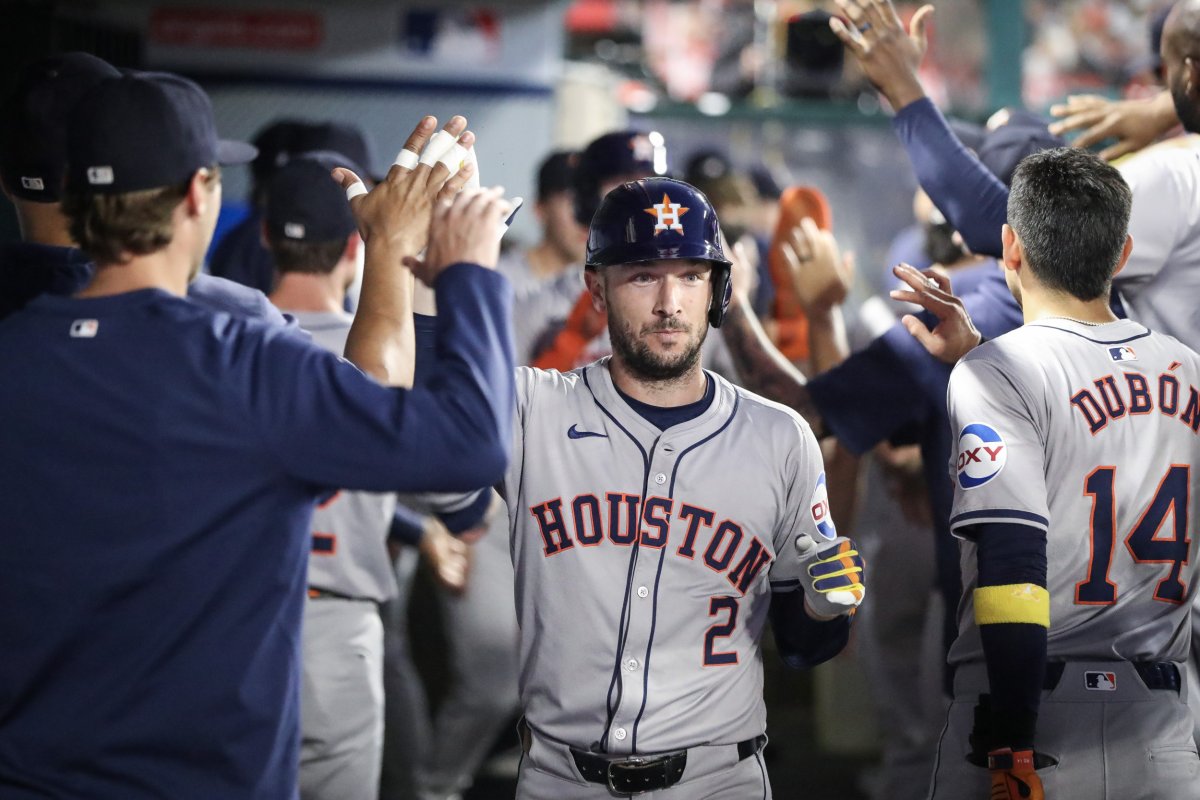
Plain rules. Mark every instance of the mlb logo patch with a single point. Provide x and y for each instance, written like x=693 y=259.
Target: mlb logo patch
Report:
x=84 y=328
x=1100 y=681
x=293 y=230
x=100 y=176
x=1122 y=353
x=982 y=453
x=33 y=184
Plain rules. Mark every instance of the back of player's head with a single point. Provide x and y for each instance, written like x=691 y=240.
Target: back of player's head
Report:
x=133 y=146
x=307 y=216
x=34 y=123
x=1070 y=210
x=618 y=156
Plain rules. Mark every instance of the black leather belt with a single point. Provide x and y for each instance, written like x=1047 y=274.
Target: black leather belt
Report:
x=1155 y=674
x=637 y=774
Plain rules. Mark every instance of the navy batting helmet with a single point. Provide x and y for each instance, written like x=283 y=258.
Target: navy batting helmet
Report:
x=661 y=219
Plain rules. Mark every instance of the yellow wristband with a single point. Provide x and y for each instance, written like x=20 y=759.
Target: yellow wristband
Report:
x=1016 y=602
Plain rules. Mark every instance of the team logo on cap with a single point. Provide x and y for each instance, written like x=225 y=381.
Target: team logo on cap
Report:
x=1100 y=681
x=293 y=230
x=85 y=328
x=100 y=176
x=820 y=510
x=982 y=453
x=668 y=215
x=1122 y=353
x=33 y=184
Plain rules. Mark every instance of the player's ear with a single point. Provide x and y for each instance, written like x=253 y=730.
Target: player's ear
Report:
x=198 y=195
x=1013 y=254
x=1125 y=251
x=353 y=242
x=595 y=287
x=262 y=235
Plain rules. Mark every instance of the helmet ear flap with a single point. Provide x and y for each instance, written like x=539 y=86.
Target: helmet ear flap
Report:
x=721 y=296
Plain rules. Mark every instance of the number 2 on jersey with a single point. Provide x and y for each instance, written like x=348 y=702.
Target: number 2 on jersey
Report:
x=1143 y=542
x=712 y=657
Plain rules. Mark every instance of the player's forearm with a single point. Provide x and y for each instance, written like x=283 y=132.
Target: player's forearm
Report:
x=382 y=340
x=762 y=368
x=827 y=343
x=1012 y=610
x=973 y=199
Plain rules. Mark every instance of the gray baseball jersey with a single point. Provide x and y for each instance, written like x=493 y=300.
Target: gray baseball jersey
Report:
x=349 y=550
x=645 y=559
x=1090 y=433
x=1160 y=282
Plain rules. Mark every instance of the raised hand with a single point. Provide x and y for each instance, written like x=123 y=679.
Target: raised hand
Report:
x=888 y=54
x=820 y=275
x=397 y=212
x=1133 y=123
x=464 y=229
x=955 y=334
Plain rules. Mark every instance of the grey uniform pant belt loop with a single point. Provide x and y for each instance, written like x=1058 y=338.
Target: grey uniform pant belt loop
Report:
x=635 y=774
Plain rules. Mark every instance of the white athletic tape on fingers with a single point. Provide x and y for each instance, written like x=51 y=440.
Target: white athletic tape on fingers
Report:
x=406 y=159
x=455 y=159
x=355 y=189
x=439 y=145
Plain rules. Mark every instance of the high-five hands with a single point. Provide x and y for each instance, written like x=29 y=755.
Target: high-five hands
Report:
x=955 y=334
x=888 y=54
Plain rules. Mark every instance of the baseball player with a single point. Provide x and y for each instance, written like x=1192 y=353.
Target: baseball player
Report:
x=1160 y=279
x=33 y=141
x=1075 y=480
x=646 y=567
x=240 y=255
x=160 y=461
x=312 y=237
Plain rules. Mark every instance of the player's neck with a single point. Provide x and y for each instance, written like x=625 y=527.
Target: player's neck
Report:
x=300 y=291
x=1038 y=305
x=687 y=388
x=159 y=270
x=43 y=223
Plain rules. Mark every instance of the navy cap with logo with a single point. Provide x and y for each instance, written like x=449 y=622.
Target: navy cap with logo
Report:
x=305 y=204
x=34 y=122
x=144 y=130
x=626 y=154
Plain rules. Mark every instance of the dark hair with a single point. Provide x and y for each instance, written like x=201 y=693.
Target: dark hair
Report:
x=106 y=226
x=313 y=258
x=1071 y=212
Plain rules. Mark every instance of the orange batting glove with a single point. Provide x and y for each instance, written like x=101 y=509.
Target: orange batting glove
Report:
x=1013 y=775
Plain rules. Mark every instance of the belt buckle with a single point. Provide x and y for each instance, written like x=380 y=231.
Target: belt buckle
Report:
x=636 y=764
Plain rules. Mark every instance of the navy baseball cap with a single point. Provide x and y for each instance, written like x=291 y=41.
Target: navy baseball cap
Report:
x=34 y=122
x=1010 y=137
x=144 y=130
x=305 y=204
x=284 y=139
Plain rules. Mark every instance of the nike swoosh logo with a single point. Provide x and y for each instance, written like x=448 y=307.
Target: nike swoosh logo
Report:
x=574 y=433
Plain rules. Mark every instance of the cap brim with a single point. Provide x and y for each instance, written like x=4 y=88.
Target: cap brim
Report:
x=230 y=152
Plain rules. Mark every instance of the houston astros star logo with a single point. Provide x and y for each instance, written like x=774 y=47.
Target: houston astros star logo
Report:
x=668 y=215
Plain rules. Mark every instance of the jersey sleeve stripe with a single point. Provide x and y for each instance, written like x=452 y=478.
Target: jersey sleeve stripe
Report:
x=999 y=515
